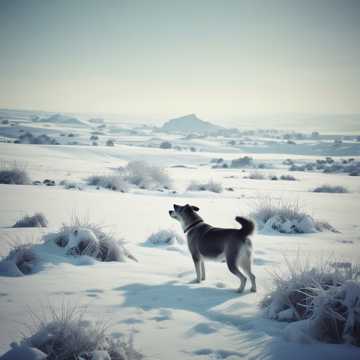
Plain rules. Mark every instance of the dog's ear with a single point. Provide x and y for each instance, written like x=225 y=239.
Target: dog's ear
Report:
x=195 y=208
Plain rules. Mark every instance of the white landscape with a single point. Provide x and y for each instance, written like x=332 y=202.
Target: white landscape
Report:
x=179 y=180
x=146 y=297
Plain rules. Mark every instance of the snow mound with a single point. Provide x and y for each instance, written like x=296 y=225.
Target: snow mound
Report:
x=286 y=217
x=21 y=260
x=22 y=352
x=36 y=220
x=168 y=239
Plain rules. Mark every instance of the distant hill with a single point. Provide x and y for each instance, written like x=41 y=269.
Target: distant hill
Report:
x=61 y=119
x=189 y=124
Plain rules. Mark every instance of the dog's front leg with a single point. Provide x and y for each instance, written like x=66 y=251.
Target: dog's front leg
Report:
x=197 y=263
x=203 y=276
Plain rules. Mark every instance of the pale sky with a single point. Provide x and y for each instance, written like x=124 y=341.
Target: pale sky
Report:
x=219 y=59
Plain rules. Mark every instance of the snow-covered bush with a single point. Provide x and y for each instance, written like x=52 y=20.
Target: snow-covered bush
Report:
x=329 y=165
x=82 y=237
x=136 y=174
x=145 y=176
x=70 y=184
x=64 y=334
x=256 y=175
x=165 y=237
x=110 y=142
x=335 y=189
x=20 y=261
x=325 y=297
x=336 y=313
x=242 y=162
x=112 y=182
x=166 y=145
x=12 y=173
x=29 y=138
x=287 y=177
x=211 y=185
x=286 y=217
x=36 y=220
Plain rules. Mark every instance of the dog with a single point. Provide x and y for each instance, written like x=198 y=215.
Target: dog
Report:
x=208 y=242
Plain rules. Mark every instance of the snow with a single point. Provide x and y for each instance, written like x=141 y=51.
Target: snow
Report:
x=154 y=298
x=23 y=352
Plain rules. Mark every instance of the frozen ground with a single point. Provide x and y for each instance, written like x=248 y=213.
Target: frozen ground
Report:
x=154 y=298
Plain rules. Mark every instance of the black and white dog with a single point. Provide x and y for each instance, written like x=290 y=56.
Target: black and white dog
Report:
x=208 y=242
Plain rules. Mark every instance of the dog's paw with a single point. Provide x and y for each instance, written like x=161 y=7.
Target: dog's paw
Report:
x=253 y=289
x=195 y=281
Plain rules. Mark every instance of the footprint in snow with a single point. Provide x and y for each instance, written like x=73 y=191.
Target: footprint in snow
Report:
x=218 y=354
x=94 y=291
x=203 y=328
x=131 y=321
x=164 y=315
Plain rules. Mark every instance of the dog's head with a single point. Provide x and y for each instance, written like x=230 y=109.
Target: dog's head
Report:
x=186 y=214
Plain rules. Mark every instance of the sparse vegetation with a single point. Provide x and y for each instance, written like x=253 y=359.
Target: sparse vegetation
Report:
x=110 y=142
x=82 y=237
x=334 y=189
x=70 y=184
x=137 y=173
x=64 y=333
x=288 y=178
x=326 y=295
x=111 y=182
x=256 y=175
x=211 y=185
x=13 y=173
x=36 y=220
x=330 y=166
x=286 y=217
x=242 y=162
x=165 y=145
x=20 y=261
x=145 y=176
x=29 y=138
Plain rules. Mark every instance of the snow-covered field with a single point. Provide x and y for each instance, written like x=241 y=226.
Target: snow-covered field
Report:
x=154 y=299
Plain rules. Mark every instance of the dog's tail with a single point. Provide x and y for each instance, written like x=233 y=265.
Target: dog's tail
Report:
x=247 y=226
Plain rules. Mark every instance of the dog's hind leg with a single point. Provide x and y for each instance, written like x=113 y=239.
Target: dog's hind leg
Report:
x=231 y=261
x=245 y=263
x=203 y=276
